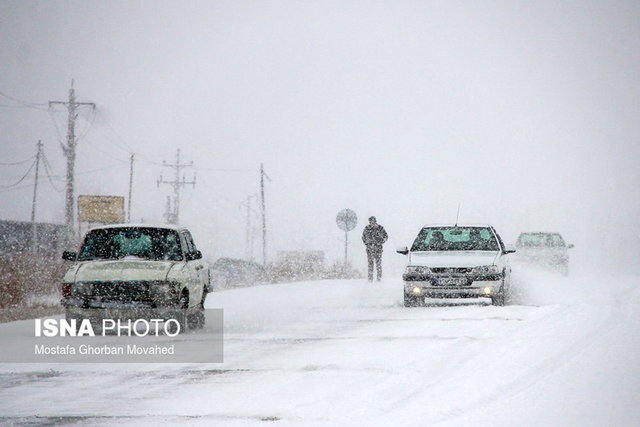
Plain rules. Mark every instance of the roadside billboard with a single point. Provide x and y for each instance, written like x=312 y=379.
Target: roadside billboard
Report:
x=101 y=209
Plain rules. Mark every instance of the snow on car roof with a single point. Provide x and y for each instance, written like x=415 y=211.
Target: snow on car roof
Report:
x=456 y=225
x=165 y=226
x=540 y=232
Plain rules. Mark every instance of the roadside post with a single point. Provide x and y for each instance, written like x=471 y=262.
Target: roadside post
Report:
x=347 y=221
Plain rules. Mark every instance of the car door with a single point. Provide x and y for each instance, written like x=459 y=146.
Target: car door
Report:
x=190 y=267
x=197 y=268
x=503 y=258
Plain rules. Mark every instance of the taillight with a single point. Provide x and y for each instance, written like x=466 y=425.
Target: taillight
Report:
x=66 y=290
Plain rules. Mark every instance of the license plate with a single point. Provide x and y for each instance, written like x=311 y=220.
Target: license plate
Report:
x=451 y=282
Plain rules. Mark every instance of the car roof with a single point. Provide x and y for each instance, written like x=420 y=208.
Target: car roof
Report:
x=456 y=225
x=162 y=226
x=539 y=232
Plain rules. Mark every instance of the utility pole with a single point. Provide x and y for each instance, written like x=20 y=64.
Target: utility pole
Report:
x=34 y=232
x=177 y=183
x=264 y=215
x=130 y=189
x=248 y=249
x=70 y=150
x=167 y=211
x=249 y=230
x=346 y=246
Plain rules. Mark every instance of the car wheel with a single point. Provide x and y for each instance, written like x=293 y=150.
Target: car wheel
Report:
x=180 y=315
x=96 y=323
x=498 y=299
x=411 y=301
x=69 y=317
x=196 y=320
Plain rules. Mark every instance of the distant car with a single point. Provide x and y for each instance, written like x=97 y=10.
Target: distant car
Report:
x=547 y=250
x=232 y=272
x=134 y=268
x=456 y=261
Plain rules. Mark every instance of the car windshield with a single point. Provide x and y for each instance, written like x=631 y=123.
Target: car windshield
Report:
x=540 y=240
x=455 y=239
x=140 y=242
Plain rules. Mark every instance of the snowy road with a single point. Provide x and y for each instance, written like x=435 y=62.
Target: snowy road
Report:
x=567 y=352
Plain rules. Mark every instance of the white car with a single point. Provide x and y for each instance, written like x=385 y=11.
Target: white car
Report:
x=456 y=261
x=546 y=250
x=137 y=267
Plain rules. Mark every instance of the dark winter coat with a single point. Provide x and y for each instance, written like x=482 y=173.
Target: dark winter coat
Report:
x=374 y=235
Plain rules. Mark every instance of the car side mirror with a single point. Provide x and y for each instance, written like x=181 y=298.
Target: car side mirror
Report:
x=402 y=250
x=192 y=256
x=509 y=250
x=570 y=245
x=69 y=255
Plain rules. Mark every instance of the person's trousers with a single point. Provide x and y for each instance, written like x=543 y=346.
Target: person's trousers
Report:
x=374 y=256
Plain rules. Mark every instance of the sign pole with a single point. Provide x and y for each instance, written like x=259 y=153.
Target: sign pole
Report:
x=346 y=245
x=346 y=220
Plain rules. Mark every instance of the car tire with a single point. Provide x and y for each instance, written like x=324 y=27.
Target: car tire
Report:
x=196 y=320
x=498 y=299
x=96 y=323
x=411 y=301
x=69 y=317
x=180 y=315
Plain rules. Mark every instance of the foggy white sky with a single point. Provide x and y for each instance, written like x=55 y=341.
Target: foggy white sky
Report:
x=526 y=113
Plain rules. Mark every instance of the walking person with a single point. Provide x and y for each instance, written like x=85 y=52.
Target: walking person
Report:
x=373 y=236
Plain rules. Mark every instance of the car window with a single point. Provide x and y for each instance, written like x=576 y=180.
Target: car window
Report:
x=541 y=240
x=455 y=239
x=191 y=247
x=555 y=240
x=190 y=241
x=140 y=242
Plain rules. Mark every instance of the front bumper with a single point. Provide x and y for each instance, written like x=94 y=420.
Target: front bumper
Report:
x=466 y=287
x=97 y=316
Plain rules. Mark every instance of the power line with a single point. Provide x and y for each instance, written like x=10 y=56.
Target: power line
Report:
x=5 y=190
x=47 y=168
x=21 y=179
x=151 y=162
x=88 y=126
x=23 y=104
x=224 y=170
x=55 y=124
x=128 y=148
x=114 y=166
x=106 y=153
x=22 y=162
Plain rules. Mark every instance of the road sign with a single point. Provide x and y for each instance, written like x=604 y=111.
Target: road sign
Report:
x=347 y=220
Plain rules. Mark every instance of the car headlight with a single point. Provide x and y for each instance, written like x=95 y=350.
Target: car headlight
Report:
x=486 y=269
x=83 y=288
x=417 y=269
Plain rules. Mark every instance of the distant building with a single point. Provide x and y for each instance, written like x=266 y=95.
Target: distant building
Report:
x=17 y=237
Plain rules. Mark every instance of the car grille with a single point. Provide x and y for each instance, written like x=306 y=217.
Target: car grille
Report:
x=121 y=291
x=451 y=270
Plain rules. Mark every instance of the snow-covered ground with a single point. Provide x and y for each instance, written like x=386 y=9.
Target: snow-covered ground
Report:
x=566 y=352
